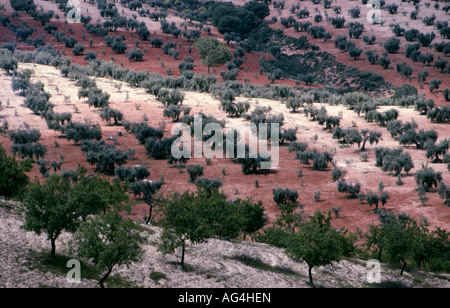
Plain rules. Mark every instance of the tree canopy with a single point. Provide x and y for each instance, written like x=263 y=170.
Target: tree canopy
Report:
x=212 y=52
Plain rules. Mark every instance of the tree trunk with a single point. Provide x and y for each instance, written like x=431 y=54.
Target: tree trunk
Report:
x=379 y=253
x=310 y=277
x=105 y=277
x=53 y=242
x=363 y=148
x=183 y=248
x=403 y=267
x=150 y=213
x=208 y=69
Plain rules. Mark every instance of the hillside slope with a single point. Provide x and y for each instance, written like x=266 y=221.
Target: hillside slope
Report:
x=215 y=264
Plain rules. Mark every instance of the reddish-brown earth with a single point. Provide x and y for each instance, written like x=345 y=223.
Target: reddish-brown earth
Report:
x=236 y=184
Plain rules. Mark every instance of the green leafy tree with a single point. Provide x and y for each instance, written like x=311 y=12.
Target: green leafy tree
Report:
x=13 y=178
x=398 y=237
x=317 y=243
x=254 y=216
x=48 y=211
x=212 y=52
x=109 y=240
x=183 y=222
x=427 y=177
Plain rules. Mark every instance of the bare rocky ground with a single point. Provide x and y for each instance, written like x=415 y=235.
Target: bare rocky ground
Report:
x=215 y=264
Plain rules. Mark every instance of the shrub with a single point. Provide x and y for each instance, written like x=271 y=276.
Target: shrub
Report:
x=132 y=175
x=434 y=84
x=24 y=136
x=90 y=55
x=320 y=161
x=7 y=61
x=78 y=49
x=392 y=45
x=13 y=178
x=352 y=135
x=444 y=193
x=194 y=172
x=284 y=196
x=135 y=55
x=78 y=131
x=412 y=137
x=427 y=177
x=159 y=148
x=104 y=156
x=109 y=114
x=437 y=149
x=351 y=189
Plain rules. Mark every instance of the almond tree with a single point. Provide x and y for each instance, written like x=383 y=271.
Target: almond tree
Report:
x=109 y=241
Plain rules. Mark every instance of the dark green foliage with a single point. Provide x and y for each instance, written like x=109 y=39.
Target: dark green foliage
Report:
x=22 y=5
x=104 y=156
x=23 y=32
x=444 y=193
x=417 y=138
x=48 y=210
x=297 y=147
x=207 y=184
x=142 y=131
x=159 y=148
x=13 y=179
x=320 y=161
x=338 y=22
x=90 y=55
x=101 y=240
x=398 y=128
x=131 y=175
x=172 y=97
x=147 y=191
x=37 y=99
x=30 y=150
x=392 y=45
x=370 y=40
x=284 y=196
x=426 y=39
x=375 y=199
x=253 y=164
x=97 y=98
x=119 y=46
x=349 y=188
x=403 y=69
x=212 y=52
x=396 y=163
x=174 y=112
x=79 y=131
x=317 y=243
x=24 y=136
x=194 y=171
x=382 y=118
x=109 y=114
x=427 y=177
x=352 y=135
x=78 y=49
x=7 y=61
x=337 y=173
x=437 y=149
x=288 y=135
x=439 y=114
x=372 y=57
x=446 y=94
x=135 y=55
x=401 y=240
x=196 y=217
x=434 y=84
x=411 y=35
